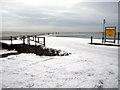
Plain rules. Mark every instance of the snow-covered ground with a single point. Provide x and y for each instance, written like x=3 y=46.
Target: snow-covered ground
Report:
x=89 y=66
x=6 y=51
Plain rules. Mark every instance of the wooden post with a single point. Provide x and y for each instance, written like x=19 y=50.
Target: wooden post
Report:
x=102 y=37
x=118 y=37
x=44 y=41
x=11 y=39
x=104 y=21
x=30 y=37
x=23 y=39
x=38 y=39
x=35 y=40
x=28 y=40
x=35 y=37
x=91 y=39
x=114 y=40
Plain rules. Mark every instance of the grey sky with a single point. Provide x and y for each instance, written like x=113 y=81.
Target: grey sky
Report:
x=57 y=15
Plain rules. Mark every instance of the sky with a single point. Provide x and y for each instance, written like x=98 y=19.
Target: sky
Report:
x=57 y=15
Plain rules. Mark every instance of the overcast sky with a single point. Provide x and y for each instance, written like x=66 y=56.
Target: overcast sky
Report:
x=57 y=15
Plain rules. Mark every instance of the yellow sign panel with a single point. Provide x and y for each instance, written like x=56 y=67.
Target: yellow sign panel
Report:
x=110 y=32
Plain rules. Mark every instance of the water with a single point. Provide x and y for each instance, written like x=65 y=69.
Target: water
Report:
x=5 y=34
x=96 y=35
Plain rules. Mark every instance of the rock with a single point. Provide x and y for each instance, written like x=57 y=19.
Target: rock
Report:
x=39 y=50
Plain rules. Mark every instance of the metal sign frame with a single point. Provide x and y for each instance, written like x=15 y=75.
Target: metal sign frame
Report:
x=111 y=36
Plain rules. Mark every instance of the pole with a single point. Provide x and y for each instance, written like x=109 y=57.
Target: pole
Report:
x=23 y=39
x=103 y=30
x=38 y=39
x=11 y=40
x=114 y=37
x=102 y=37
x=91 y=39
x=35 y=40
x=44 y=41
x=28 y=39
x=118 y=37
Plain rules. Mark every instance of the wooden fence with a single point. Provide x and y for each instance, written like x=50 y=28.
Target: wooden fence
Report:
x=27 y=39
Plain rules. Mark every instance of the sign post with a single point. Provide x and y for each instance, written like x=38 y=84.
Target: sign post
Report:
x=103 y=30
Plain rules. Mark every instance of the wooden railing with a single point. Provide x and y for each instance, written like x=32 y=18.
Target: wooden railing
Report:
x=29 y=39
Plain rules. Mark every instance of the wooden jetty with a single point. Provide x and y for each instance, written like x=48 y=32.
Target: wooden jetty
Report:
x=29 y=39
x=27 y=46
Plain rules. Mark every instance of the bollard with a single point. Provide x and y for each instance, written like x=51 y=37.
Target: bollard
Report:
x=91 y=39
x=114 y=39
x=102 y=37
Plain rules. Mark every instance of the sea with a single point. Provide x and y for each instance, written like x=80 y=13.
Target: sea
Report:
x=96 y=35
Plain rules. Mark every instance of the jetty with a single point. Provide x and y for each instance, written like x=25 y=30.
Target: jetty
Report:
x=29 y=44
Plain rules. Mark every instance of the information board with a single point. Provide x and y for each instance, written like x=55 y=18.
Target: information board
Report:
x=110 y=33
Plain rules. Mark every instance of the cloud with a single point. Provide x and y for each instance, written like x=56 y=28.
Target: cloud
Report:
x=57 y=13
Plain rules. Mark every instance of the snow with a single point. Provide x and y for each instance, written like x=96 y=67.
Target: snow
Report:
x=13 y=42
x=6 y=51
x=19 y=41
x=89 y=66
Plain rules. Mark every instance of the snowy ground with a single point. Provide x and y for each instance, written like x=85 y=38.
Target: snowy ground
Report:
x=6 y=51
x=89 y=66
